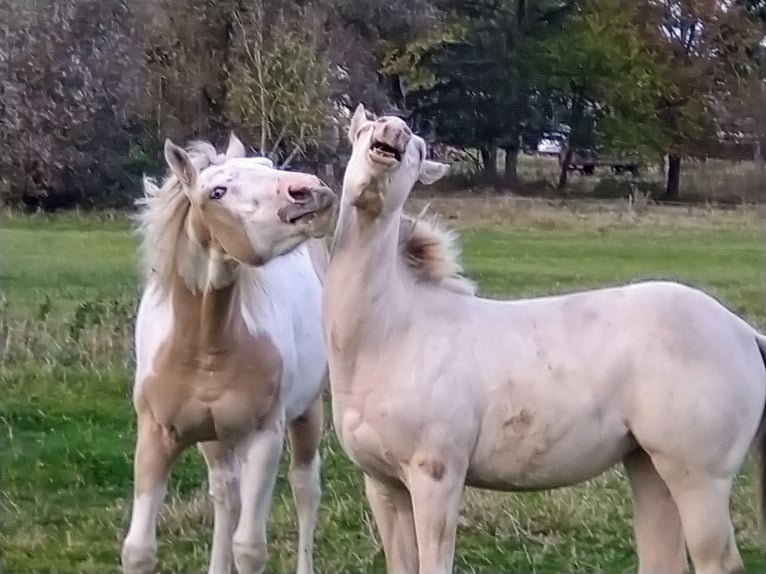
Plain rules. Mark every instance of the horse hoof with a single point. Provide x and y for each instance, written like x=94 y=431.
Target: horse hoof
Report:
x=138 y=559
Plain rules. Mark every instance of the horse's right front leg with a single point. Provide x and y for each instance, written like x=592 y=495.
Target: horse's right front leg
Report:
x=153 y=458
x=261 y=451
x=392 y=510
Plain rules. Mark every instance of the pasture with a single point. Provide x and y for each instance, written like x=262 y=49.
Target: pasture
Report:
x=70 y=284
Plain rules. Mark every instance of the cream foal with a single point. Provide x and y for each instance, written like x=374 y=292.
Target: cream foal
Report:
x=434 y=388
x=229 y=347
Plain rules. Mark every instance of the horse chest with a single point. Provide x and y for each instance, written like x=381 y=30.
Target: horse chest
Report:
x=376 y=431
x=365 y=445
x=213 y=397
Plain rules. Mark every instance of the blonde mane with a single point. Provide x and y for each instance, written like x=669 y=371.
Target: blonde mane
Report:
x=162 y=215
x=432 y=254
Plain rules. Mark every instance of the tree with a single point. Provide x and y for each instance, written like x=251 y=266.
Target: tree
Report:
x=278 y=82
x=92 y=88
x=604 y=81
x=72 y=99
x=705 y=49
x=469 y=81
x=365 y=31
x=188 y=50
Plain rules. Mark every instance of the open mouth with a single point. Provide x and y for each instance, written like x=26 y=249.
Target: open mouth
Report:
x=384 y=153
x=302 y=216
x=307 y=208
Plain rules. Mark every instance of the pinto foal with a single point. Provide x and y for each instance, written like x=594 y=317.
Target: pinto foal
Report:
x=229 y=347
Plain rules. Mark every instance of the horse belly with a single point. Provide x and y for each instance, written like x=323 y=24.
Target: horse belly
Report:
x=525 y=454
x=297 y=332
x=306 y=374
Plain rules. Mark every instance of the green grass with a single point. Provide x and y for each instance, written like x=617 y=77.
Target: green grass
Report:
x=68 y=427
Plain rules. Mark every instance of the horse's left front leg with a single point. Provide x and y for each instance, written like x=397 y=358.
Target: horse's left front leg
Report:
x=436 y=487
x=261 y=452
x=223 y=476
x=305 y=434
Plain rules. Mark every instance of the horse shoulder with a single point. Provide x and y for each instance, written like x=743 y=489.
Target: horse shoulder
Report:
x=154 y=323
x=290 y=314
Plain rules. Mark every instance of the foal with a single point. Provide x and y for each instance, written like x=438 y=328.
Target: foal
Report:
x=229 y=347
x=434 y=388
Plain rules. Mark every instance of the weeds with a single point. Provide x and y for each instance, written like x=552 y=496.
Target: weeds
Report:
x=94 y=335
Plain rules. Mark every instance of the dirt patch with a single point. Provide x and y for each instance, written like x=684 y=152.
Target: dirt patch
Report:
x=523 y=212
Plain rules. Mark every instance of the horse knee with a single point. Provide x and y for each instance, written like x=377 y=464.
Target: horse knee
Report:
x=305 y=480
x=224 y=489
x=250 y=558
x=138 y=559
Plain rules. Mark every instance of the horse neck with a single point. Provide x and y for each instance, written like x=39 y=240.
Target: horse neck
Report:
x=206 y=294
x=207 y=321
x=365 y=293
x=366 y=248
x=199 y=263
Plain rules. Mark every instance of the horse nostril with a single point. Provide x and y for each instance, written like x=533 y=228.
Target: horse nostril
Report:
x=325 y=196
x=299 y=194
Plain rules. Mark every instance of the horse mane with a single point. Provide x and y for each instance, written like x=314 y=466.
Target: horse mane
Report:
x=432 y=254
x=161 y=217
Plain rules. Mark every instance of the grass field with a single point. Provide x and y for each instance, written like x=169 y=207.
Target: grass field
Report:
x=70 y=286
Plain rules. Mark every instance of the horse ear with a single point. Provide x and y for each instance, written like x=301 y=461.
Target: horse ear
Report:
x=432 y=171
x=359 y=117
x=235 y=148
x=180 y=164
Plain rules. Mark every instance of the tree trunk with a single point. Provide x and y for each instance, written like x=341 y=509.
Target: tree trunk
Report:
x=511 y=162
x=338 y=167
x=566 y=159
x=521 y=12
x=484 y=153
x=576 y=116
x=673 y=187
x=489 y=160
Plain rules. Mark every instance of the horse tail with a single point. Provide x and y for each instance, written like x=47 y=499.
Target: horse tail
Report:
x=760 y=340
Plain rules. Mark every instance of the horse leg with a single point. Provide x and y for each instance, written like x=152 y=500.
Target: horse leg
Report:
x=305 y=462
x=659 y=536
x=262 y=449
x=436 y=488
x=153 y=458
x=703 y=503
x=392 y=510
x=223 y=476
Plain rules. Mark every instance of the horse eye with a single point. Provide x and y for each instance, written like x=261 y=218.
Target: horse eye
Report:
x=362 y=130
x=218 y=192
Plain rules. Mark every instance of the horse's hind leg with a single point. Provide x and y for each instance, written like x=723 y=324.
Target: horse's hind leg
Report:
x=223 y=476
x=659 y=536
x=305 y=433
x=703 y=503
x=153 y=457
